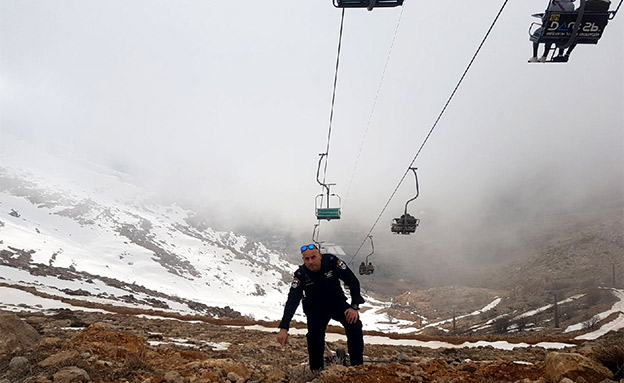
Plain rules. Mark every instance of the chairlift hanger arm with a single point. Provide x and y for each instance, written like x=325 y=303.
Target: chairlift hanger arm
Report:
x=318 y=173
x=577 y=25
x=417 y=191
x=315 y=234
x=372 y=247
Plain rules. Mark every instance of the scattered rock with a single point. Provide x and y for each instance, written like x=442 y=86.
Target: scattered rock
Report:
x=225 y=367
x=108 y=342
x=63 y=358
x=173 y=377
x=403 y=358
x=233 y=377
x=274 y=376
x=15 y=333
x=103 y=363
x=38 y=379
x=103 y=326
x=540 y=380
x=114 y=349
x=50 y=342
x=210 y=376
x=469 y=367
x=19 y=364
x=71 y=374
x=575 y=367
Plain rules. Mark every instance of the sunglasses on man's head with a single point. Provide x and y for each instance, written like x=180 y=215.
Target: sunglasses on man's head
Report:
x=308 y=247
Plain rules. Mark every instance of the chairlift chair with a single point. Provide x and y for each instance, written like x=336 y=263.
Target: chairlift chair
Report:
x=368 y=4
x=367 y=268
x=327 y=212
x=567 y=29
x=406 y=224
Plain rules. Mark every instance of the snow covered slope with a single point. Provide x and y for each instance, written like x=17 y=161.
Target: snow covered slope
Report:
x=68 y=214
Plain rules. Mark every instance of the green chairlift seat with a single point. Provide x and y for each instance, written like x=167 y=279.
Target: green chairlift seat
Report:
x=328 y=213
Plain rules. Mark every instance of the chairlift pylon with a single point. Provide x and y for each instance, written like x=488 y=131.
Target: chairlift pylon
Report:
x=406 y=224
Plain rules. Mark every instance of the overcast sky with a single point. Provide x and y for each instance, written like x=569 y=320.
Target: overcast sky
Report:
x=225 y=105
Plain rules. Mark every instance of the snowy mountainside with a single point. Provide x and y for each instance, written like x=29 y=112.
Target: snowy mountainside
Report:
x=80 y=235
x=78 y=216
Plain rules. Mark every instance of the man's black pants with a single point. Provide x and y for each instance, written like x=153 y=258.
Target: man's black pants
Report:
x=317 y=325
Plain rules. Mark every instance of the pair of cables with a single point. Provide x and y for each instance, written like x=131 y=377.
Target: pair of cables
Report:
x=333 y=102
x=433 y=127
x=435 y=124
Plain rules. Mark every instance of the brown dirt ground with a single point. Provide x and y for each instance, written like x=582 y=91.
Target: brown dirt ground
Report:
x=117 y=348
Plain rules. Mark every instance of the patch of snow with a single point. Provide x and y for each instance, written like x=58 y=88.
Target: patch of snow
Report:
x=488 y=307
x=159 y=342
x=544 y=308
x=614 y=325
x=167 y=318
x=18 y=300
x=221 y=346
x=382 y=340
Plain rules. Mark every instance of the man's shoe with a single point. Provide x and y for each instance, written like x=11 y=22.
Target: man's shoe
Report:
x=533 y=60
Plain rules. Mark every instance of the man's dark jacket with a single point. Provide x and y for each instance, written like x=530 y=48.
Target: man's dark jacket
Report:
x=321 y=290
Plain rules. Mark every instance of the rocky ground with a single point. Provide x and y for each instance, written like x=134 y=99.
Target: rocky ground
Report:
x=77 y=346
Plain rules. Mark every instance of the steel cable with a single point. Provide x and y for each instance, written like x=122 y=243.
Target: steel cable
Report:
x=333 y=100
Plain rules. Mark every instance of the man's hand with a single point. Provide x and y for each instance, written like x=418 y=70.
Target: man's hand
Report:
x=351 y=315
x=282 y=337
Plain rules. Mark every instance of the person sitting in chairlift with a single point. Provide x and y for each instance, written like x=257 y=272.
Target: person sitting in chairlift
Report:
x=553 y=6
x=362 y=268
x=370 y=268
x=601 y=6
x=410 y=220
